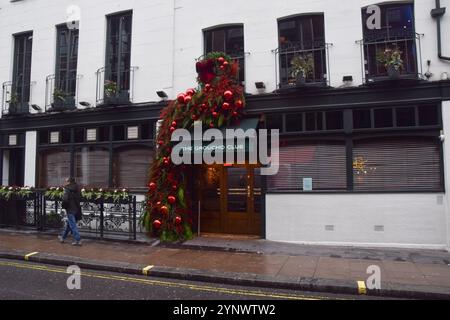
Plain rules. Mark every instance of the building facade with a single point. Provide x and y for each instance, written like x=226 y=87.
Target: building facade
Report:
x=359 y=90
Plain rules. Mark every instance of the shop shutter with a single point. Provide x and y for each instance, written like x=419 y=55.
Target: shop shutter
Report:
x=131 y=167
x=92 y=167
x=397 y=164
x=322 y=162
x=54 y=167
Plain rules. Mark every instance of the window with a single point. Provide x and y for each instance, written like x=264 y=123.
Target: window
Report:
x=274 y=121
x=66 y=61
x=294 y=122
x=323 y=162
x=54 y=167
x=131 y=166
x=92 y=166
x=383 y=118
x=397 y=33
x=118 y=52
x=229 y=40
x=302 y=40
x=21 y=86
x=397 y=164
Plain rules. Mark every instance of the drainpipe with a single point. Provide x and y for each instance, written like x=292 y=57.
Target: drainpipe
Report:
x=437 y=14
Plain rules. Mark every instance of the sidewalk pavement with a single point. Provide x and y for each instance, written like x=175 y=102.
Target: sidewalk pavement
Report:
x=404 y=273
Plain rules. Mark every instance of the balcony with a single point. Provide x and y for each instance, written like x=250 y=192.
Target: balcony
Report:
x=115 y=89
x=16 y=99
x=301 y=68
x=374 y=57
x=58 y=99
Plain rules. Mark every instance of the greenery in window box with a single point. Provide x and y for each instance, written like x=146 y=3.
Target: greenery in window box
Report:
x=91 y=194
x=302 y=66
x=392 y=60
x=13 y=98
x=54 y=193
x=110 y=88
x=6 y=192
x=60 y=95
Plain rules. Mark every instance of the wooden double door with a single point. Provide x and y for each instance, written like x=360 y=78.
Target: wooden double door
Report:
x=229 y=199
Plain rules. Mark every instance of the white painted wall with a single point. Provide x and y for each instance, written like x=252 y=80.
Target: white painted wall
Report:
x=167 y=38
x=446 y=121
x=30 y=158
x=409 y=220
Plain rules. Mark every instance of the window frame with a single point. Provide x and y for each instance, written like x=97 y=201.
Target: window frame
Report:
x=72 y=48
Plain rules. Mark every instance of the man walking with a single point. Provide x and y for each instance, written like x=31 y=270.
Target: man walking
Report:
x=71 y=203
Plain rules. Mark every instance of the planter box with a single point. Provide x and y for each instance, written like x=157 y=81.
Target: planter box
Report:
x=123 y=97
x=67 y=104
x=19 y=108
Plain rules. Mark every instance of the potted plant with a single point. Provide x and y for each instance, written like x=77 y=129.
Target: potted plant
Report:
x=301 y=67
x=392 y=60
x=62 y=100
x=13 y=103
x=114 y=96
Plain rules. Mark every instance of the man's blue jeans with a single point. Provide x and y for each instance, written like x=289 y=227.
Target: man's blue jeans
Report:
x=71 y=226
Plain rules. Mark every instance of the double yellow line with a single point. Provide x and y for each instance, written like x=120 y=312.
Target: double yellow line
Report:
x=151 y=282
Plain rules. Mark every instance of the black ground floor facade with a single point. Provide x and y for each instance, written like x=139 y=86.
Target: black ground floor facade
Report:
x=373 y=146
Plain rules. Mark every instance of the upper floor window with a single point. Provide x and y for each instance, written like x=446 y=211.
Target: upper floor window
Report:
x=21 y=84
x=389 y=41
x=302 y=50
x=65 y=85
x=229 y=40
x=118 y=57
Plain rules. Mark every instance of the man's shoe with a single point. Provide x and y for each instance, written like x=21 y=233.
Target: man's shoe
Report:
x=60 y=238
x=77 y=243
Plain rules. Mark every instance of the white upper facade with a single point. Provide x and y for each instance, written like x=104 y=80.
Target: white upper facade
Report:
x=167 y=37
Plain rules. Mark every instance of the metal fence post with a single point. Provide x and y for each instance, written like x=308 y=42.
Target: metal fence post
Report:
x=101 y=218
x=134 y=217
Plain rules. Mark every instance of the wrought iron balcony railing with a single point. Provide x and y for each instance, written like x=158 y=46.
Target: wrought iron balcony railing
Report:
x=377 y=63
x=117 y=90
x=298 y=67
x=15 y=102
x=59 y=99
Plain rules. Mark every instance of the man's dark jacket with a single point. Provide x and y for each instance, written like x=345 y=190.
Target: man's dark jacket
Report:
x=71 y=199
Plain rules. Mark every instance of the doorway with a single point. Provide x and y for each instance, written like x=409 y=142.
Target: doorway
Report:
x=16 y=171
x=229 y=199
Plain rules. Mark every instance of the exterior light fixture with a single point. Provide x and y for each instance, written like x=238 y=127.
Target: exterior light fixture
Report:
x=85 y=104
x=260 y=85
x=36 y=107
x=162 y=94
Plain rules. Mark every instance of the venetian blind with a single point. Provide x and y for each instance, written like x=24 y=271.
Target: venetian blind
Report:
x=397 y=164
x=131 y=167
x=54 y=168
x=322 y=162
x=92 y=167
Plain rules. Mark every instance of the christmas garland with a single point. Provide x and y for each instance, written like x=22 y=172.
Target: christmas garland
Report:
x=216 y=102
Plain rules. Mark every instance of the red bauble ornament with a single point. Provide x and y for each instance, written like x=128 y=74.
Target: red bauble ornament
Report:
x=166 y=162
x=157 y=224
x=172 y=129
x=239 y=104
x=174 y=123
x=207 y=87
x=177 y=220
x=187 y=99
x=211 y=125
x=164 y=210
x=158 y=203
x=181 y=97
x=228 y=95
x=160 y=142
x=194 y=117
x=174 y=187
x=203 y=106
x=226 y=106
x=221 y=60
x=222 y=67
x=190 y=92
x=171 y=199
x=215 y=114
x=152 y=186
x=235 y=114
x=225 y=64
